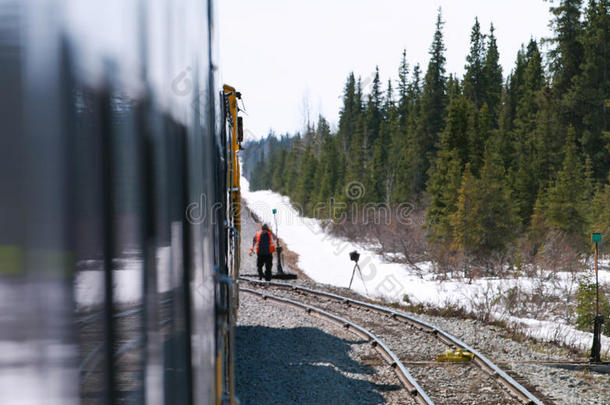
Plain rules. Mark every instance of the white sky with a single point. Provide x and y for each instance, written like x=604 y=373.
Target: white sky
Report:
x=279 y=53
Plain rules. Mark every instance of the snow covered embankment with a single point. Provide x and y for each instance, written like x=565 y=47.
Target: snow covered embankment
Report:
x=325 y=259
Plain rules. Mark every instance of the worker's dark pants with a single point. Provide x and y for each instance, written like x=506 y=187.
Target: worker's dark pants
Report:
x=266 y=260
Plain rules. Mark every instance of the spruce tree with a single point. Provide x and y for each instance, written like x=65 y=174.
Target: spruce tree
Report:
x=328 y=171
x=512 y=94
x=567 y=200
x=293 y=159
x=525 y=181
x=474 y=78
x=567 y=54
x=278 y=160
x=591 y=89
x=433 y=105
x=533 y=81
x=381 y=178
x=549 y=137
x=443 y=186
x=479 y=128
x=455 y=137
x=415 y=89
x=454 y=88
x=492 y=77
x=484 y=221
x=355 y=165
x=405 y=157
x=374 y=113
x=258 y=173
x=467 y=230
x=306 y=188
x=404 y=101
x=348 y=113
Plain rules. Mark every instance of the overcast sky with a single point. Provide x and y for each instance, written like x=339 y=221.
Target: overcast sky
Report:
x=284 y=55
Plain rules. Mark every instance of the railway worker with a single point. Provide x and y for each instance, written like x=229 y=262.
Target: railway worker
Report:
x=263 y=242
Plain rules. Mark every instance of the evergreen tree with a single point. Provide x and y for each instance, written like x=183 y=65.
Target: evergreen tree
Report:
x=454 y=88
x=526 y=182
x=443 y=186
x=257 y=181
x=455 y=137
x=374 y=113
x=348 y=113
x=533 y=81
x=548 y=137
x=404 y=100
x=484 y=221
x=291 y=175
x=591 y=89
x=567 y=200
x=415 y=90
x=566 y=59
x=433 y=105
x=467 y=230
x=305 y=191
x=512 y=94
x=474 y=78
x=478 y=135
x=322 y=132
x=278 y=162
x=381 y=178
x=492 y=77
x=355 y=170
x=405 y=156
x=567 y=55
x=328 y=171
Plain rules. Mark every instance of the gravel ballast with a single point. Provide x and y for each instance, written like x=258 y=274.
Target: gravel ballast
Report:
x=557 y=385
x=445 y=383
x=285 y=356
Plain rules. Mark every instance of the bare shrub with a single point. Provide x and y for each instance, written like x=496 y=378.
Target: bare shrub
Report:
x=407 y=237
x=561 y=252
x=397 y=237
x=486 y=301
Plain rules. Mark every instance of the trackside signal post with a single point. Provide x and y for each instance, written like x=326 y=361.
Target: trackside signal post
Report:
x=596 y=238
x=280 y=269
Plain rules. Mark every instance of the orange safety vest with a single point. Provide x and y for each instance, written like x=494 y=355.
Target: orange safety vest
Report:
x=257 y=239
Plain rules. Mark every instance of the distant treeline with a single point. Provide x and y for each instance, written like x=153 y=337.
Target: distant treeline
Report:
x=502 y=165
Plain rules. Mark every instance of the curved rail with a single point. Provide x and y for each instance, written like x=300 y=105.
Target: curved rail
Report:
x=513 y=386
x=404 y=376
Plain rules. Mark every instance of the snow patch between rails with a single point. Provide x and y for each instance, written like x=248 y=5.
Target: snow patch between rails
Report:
x=325 y=258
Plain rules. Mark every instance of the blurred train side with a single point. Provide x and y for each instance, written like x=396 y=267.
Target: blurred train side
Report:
x=114 y=248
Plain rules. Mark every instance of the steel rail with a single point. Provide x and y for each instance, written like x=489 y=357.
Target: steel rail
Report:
x=413 y=387
x=483 y=362
x=85 y=319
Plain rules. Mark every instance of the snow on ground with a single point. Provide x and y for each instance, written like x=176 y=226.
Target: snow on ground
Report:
x=128 y=278
x=325 y=259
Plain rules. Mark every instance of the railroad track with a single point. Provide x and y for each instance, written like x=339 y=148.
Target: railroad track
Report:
x=413 y=387
x=414 y=345
x=127 y=352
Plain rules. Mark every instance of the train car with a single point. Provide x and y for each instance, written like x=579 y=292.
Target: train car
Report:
x=119 y=215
